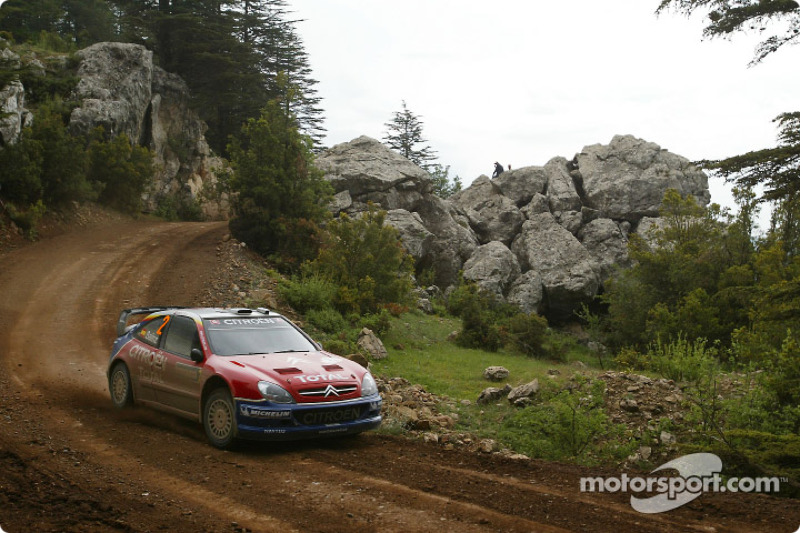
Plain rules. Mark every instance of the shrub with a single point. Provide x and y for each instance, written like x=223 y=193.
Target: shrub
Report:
x=121 y=170
x=308 y=292
x=528 y=333
x=680 y=359
x=366 y=260
x=571 y=424
x=379 y=322
x=327 y=320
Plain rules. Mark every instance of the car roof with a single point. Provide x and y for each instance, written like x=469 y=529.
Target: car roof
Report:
x=217 y=312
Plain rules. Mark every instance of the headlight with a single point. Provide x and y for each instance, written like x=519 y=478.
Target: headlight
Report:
x=368 y=385
x=274 y=393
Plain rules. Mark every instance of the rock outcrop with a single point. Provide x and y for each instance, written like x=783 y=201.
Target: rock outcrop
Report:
x=544 y=238
x=122 y=90
x=365 y=171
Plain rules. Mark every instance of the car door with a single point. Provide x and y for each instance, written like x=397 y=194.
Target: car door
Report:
x=145 y=359
x=180 y=389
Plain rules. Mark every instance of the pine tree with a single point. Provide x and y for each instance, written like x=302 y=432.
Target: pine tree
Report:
x=405 y=134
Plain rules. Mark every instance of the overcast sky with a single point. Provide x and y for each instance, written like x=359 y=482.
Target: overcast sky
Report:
x=522 y=82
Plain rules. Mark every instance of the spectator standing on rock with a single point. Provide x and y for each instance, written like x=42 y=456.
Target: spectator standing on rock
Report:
x=498 y=169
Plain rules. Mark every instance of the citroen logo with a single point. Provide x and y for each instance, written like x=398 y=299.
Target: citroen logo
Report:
x=331 y=390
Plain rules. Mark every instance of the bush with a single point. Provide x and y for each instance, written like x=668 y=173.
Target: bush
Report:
x=309 y=292
x=528 y=333
x=339 y=347
x=681 y=360
x=379 y=322
x=121 y=170
x=367 y=261
x=327 y=320
x=572 y=424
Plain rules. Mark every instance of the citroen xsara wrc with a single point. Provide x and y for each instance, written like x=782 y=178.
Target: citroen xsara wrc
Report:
x=243 y=373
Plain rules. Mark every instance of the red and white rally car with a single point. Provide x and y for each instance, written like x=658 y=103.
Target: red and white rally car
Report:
x=243 y=373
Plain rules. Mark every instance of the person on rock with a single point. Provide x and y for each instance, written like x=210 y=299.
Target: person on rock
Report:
x=498 y=169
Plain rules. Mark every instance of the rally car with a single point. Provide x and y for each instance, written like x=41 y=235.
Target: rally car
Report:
x=243 y=373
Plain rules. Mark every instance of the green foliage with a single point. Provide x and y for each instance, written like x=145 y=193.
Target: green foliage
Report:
x=693 y=276
x=529 y=333
x=308 y=292
x=726 y=17
x=280 y=196
x=681 y=359
x=380 y=323
x=572 y=424
x=327 y=320
x=443 y=186
x=367 y=262
x=481 y=315
x=122 y=170
x=404 y=133
x=27 y=219
x=64 y=161
x=20 y=171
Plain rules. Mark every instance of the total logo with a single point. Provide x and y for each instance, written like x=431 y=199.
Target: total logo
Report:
x=314 y=378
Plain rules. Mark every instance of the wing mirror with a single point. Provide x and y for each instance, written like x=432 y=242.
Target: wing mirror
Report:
x=197 y=355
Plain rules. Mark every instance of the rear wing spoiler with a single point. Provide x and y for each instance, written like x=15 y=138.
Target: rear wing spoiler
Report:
x=122 y=323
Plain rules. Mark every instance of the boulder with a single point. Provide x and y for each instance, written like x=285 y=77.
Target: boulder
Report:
x=496 y=373
x=493 y=216
x=519 y=395
x=417 y=240
x=370 y=344
x=521 y=184
x=526 y=292
x=492 y=394
x=493 y=267
x=115 y=90
x=371 y=172
x=538 y=204
x=561 y=192
x=452 y=245
x=607 y=245
x=627 y=178
x=14 y=117
x=565 y=266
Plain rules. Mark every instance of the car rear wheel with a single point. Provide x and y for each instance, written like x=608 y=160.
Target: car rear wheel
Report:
x=219 y=419
x=119 y=385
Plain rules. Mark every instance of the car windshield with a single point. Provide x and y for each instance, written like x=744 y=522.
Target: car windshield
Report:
x=247 y=336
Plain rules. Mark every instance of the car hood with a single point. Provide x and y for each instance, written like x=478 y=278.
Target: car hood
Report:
x=300 y=370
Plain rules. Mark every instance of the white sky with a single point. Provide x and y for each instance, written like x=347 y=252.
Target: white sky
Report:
x=522 y=82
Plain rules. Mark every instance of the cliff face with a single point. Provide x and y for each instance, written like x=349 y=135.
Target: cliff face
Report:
x=122 y=90
x=544 y=238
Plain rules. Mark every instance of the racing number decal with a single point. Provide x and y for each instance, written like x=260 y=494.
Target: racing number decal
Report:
x=166 y=320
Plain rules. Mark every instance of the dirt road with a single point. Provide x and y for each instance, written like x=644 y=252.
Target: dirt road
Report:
x=69 y=462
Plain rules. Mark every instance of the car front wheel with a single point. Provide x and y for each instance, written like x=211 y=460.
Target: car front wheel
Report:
x=219 y=419
x=119 y=385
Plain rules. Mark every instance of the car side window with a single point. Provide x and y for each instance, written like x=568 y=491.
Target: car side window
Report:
x=153 y=331
x=181 y=336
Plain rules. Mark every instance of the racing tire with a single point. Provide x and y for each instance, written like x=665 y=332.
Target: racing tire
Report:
x=119 y=386
x=219 y=419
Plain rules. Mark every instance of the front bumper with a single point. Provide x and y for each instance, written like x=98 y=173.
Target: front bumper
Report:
x=268 y=421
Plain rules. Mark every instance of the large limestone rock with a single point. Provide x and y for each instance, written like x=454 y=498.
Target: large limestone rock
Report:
x=13 y=115
x=493 y=267
x=492 y=215
x=521 y=184
x=434 y=232
x=185 y=165
x=417 y=240
x=627 y=178
x=607 y=245
x=527 y=292
x=561 y=192
x=371 y=172
x=565 y=266
x=115 y=90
